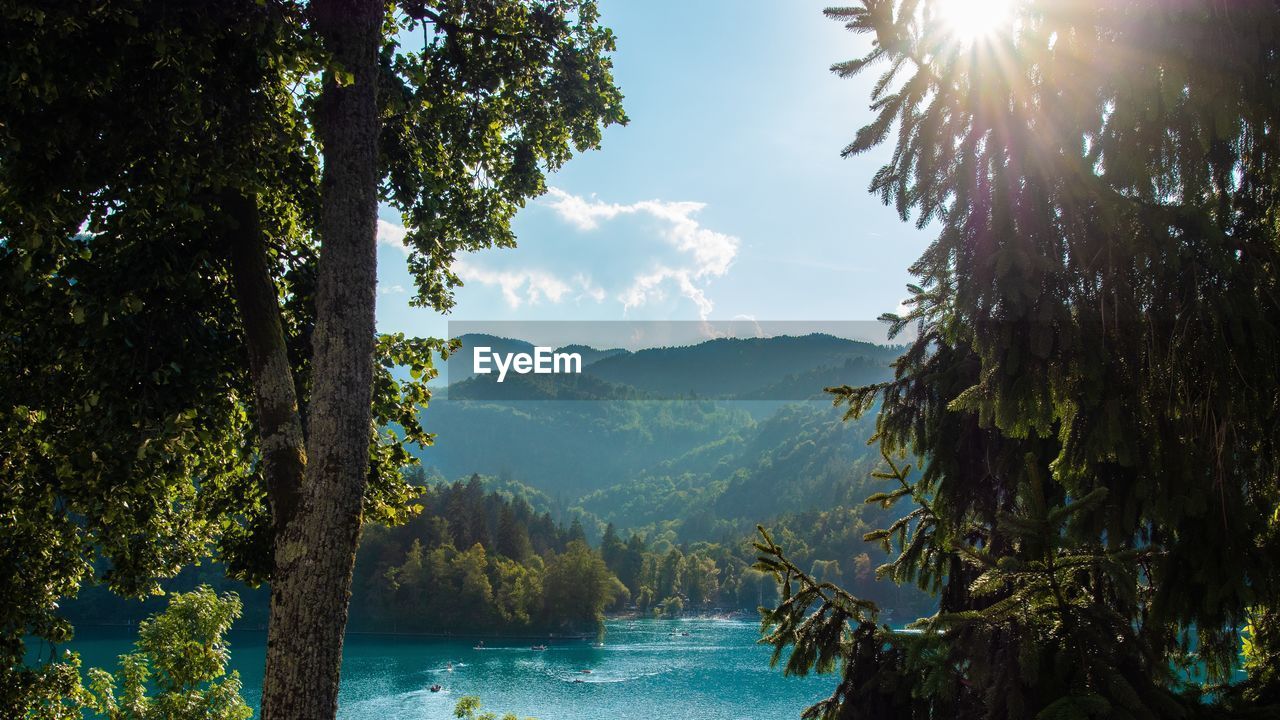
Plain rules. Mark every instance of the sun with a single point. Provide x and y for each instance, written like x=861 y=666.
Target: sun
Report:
x=972 y=20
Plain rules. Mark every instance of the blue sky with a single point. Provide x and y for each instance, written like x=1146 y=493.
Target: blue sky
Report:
x=725 y=197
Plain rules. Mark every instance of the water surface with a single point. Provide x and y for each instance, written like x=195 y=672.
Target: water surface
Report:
x=646 y=670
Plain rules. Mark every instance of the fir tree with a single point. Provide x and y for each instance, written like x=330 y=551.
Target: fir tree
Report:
x=1093 y=386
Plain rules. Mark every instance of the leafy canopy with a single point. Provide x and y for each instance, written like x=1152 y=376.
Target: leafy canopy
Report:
x=131 y=134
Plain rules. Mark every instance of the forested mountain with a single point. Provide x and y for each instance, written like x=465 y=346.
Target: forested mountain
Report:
x=645 y=427
x=570 y=448
x=738 y=367
x=671 y=486
x=799 y=458
x=591 y=355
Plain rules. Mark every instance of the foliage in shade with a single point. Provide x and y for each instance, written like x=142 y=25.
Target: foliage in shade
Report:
x=140 y=143
x=1093 y=388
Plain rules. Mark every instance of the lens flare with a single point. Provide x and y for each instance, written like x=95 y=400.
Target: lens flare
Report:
x=971 y=20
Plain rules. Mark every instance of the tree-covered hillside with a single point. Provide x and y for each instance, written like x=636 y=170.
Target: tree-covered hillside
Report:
x=619 y=436
x=571 y=447
x=799 y=458
x=737 y=367
x=481 y=562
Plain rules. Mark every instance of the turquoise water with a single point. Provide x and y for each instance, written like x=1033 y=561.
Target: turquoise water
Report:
x=647 y=670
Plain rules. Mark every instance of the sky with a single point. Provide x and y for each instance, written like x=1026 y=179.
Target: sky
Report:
x=724 y=198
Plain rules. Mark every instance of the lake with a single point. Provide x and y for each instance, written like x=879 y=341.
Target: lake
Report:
x=646 y=669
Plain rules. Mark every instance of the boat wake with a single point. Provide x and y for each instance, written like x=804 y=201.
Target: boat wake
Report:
x=602 y=677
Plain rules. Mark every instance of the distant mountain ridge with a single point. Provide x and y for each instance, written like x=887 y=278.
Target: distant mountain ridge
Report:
x=590 y=355
x=656 y=445
x=733 y=367
x=782 y=367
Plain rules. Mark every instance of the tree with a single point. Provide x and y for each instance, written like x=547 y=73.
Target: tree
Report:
x=473 y=594
x=1092 y=389
x=188 y=308
x=578 y=587
x=631 y=562
x=670 y=573
x=672 y=607
x=576 y=531
x=182 y=654
x=702 y=580
x=519 y=591
x=316 y=540
x=408 y=583
x=513 y=536
x=611 y=547
x=468 y=708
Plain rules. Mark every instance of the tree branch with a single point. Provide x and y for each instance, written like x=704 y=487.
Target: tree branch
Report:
x=275 y=399
x=422 y=13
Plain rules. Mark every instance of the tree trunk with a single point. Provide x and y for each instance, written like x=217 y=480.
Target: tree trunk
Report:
x=275 y=399
x=311 y=581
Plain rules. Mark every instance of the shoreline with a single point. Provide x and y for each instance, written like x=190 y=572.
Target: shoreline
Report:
x=632 y=615
x=625 y=616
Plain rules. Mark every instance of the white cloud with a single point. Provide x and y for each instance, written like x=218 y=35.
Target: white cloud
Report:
x=749 y=324
x=651 y=287
x=391 y=290
x=392 y=235
x=518 y=286
x=590 y=290
x=636 y=270
x=583 y=213
x=712 y=252
x=703 y=253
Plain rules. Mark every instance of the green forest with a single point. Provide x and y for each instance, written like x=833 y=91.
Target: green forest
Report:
x=478 y=561
x=1050 y=491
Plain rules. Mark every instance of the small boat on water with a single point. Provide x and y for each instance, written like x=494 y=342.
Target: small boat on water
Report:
x=436 y=688
x=538 y=647
x=586 y=672
x=478 y=646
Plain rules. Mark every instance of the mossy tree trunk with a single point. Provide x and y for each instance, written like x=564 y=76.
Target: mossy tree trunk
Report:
x=315 y=552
